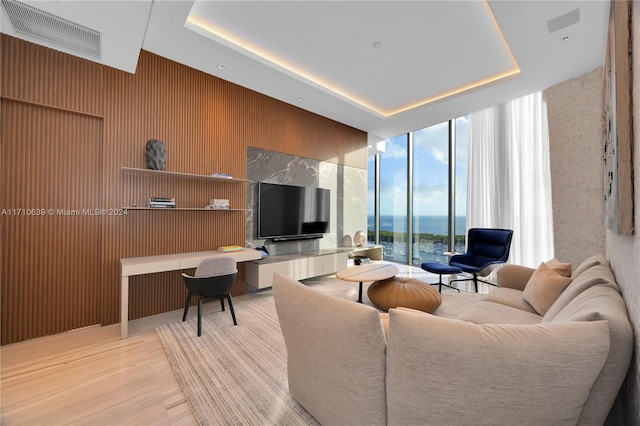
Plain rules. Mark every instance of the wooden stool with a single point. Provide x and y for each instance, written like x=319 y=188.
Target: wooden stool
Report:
x=406 y=292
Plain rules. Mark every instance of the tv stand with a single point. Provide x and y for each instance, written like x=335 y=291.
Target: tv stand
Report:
x=303 y=265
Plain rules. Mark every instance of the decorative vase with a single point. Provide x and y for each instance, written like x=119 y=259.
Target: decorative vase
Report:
x=346 y=241
x=156 y=154
x=359 y=238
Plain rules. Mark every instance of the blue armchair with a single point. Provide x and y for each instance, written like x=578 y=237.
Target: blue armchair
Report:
x=486 y=249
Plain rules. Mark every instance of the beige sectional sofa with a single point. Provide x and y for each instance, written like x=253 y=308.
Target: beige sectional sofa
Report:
x=500 y=362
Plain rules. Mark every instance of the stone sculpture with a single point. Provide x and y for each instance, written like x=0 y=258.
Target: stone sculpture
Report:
x=156 y=154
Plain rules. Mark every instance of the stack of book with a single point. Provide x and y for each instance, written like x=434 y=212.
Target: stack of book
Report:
x=215 y=203
x=221 y=175
x=162 y=203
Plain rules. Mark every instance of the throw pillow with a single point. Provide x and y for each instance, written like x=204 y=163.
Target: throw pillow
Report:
x=562 y=268
x=444 y=371
x=543 y=288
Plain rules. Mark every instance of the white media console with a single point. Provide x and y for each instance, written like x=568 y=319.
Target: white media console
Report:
x=300 y=266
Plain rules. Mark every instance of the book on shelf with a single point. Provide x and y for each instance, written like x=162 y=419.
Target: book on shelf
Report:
x=230 y=248
x=215 y=203
x=161 y=206
x=221 y=175
x=214 y=207
x=161 y=202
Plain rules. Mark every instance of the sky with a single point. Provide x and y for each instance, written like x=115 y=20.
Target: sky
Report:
x=430 y=172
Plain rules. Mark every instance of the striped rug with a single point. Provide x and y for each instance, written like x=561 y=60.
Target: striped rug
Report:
x=234 y=375
x=237 y=375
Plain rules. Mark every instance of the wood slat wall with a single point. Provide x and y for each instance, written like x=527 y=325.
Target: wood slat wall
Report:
x=102 y=118
x=50 y=261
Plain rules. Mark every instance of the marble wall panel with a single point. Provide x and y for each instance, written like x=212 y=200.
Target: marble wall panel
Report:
x=348 y=186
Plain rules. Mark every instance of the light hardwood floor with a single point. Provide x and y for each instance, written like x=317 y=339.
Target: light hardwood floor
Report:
x=91 y=376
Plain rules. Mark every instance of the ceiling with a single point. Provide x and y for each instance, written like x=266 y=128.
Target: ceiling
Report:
x=384 y=67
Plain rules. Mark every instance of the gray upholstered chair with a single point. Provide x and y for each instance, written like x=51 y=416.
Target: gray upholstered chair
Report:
x=212 y=280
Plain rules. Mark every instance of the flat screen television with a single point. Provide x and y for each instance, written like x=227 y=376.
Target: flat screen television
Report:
x=287 y=212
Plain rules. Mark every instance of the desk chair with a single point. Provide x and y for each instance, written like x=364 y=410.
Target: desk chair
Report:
x=212 y=280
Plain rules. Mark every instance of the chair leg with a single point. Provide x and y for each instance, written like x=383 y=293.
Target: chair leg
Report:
x=222 y=303
x=487 y=282
x=440 y=284
x=187 y=303
x=233 y=314
x=200 y=317
x=461 y=279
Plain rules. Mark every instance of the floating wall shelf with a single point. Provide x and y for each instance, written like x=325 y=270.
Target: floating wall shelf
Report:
x=131 y=170
x=162 y=173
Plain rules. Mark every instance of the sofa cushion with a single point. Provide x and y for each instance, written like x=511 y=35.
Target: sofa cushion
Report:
x=440 y=369
x=453 y=304
x=509 y=297
x=596 y=259
x=335 y=354
x=485 y=312
x=543 y=288
x=513 y=276
x=602 y=302
x=562 y=268
x=596 y=275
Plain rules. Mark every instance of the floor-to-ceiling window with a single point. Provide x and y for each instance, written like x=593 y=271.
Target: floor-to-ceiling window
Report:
x=462 y=160
x=422 y=184
x=430 y=193
x=393 y=194
x=371 y=199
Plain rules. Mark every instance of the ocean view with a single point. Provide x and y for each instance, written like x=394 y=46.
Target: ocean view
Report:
x=436 y=225
x=429 y=244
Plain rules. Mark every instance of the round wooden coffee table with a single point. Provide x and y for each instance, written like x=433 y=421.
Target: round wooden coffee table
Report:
x=367 y=273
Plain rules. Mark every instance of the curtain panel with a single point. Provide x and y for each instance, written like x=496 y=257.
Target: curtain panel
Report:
x=509 y=179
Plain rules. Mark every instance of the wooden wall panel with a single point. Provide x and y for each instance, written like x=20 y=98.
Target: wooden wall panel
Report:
x=51 y=250
x=47 y=77
x=207 y=125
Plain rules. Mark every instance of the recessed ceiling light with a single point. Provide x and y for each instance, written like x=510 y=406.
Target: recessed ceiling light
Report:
x=300 y=98
x=565 y=38
x=378 y=45
x=221 y=66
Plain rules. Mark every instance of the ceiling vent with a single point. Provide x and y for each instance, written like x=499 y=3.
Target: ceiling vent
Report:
x=563 y=21
x=53 y=31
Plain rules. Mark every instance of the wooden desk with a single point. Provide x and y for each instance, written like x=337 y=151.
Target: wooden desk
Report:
x=163 y=263
x=371 y=272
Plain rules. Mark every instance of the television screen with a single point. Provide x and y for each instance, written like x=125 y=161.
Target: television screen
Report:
x=291 y=212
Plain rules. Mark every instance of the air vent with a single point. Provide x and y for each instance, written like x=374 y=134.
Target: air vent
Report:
x=563 y=21
x=52 y=31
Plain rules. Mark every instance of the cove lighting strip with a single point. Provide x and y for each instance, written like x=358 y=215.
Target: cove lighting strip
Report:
x=204 y=27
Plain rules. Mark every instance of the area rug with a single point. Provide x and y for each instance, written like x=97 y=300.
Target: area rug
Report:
x=234 y=375
x=238 y=374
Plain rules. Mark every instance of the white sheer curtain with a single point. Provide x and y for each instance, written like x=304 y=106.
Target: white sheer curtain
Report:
x=509 y=181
